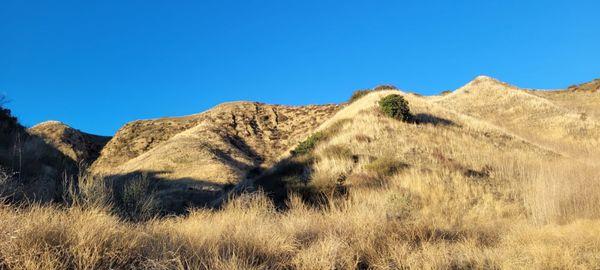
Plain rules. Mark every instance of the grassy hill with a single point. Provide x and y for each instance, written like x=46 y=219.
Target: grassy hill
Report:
x=487 y=176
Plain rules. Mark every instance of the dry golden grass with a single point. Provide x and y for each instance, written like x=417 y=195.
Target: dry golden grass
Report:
x=402 y=225
x=463 y=194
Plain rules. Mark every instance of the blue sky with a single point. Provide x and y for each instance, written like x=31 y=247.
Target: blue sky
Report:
x=96 y=65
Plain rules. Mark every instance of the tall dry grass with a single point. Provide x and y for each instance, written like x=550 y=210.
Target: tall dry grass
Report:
x=562 y=192
x=401 y=225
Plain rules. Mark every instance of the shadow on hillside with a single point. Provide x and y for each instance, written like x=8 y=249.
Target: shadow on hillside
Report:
x=33 y=170
x=177 y=196
x=149 y=193
x=425 y=118
x=289 y=176
x=241 y=144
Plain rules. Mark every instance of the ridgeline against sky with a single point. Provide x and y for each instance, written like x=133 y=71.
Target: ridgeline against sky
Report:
x=98 y=65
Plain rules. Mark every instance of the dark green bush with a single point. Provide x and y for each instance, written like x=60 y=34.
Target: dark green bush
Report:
x=395 y=106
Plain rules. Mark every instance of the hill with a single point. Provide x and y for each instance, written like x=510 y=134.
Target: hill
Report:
x=73 y=143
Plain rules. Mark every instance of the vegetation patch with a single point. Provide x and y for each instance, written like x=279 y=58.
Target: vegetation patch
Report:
x=309 y=144
x=306 y=146
x=356 y=95
x=395 y=106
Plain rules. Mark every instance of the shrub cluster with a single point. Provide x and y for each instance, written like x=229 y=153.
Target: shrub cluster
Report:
x=385 y=87
x=395 y=106
x=358 y=94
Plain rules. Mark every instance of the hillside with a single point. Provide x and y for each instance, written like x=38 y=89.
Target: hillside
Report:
x=361 y=145
x=529 y=114
x=198 y=155
x=583 y=98
x=73 y=143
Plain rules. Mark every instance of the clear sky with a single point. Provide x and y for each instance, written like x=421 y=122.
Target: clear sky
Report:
x=96 y=65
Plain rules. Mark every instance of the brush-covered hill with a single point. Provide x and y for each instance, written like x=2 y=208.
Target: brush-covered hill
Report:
x=73 y=143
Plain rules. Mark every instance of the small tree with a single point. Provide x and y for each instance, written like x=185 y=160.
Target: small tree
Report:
x=395 y=106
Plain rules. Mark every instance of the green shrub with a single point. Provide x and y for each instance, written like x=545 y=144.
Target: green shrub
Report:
x=358 y=94
x=395 y=106
x=309 y=144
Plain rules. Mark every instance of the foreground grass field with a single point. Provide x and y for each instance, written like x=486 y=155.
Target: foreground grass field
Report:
x=444 y=191
x=384 y=228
